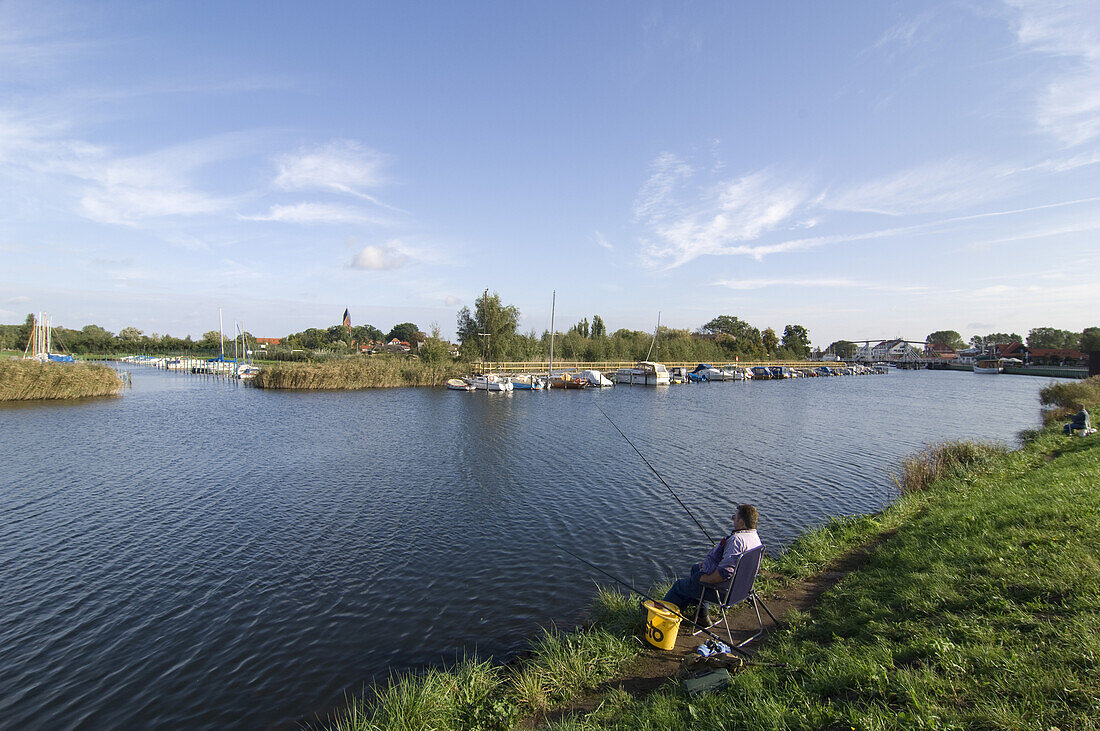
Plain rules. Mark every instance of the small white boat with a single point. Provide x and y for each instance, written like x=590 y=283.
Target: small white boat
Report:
x=490 y=382
x=644 y=373
x=457 y=384
x=247 y=370
x=596 y=378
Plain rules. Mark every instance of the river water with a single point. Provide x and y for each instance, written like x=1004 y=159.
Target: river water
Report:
x=201 y=554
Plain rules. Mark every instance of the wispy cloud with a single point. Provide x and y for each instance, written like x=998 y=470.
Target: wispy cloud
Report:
x=824 y=282
x=451 y=301
x=1069 y=107
x=945 y=185
x=375 y=258
x=901 y=35
x=727 y=215
x=17 y=300
x=342 y=166
x=311 y=213
x=601 y=241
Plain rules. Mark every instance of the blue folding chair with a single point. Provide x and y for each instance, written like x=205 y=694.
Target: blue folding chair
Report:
x=737 y=590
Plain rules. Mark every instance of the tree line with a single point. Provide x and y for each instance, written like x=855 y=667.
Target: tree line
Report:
x=1088 y=340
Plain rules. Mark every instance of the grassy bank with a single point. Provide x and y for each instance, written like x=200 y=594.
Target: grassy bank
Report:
x=978 y=607
x=352 y=374
x=26 y=380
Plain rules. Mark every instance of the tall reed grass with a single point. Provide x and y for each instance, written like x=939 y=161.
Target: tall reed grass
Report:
x=919 y=471
x=355 y=373
x=28 y=380
x=1067 y=398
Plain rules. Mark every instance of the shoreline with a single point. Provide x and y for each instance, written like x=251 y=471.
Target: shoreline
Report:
x=23 y=381
x=583 y=679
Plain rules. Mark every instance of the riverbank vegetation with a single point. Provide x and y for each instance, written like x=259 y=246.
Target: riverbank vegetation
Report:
x=27 y=380
x=350 y=374
x=976 y=607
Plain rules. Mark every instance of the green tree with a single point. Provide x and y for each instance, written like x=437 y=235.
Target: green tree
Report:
x=995 y=339
x=796 y=339
x=435 y=349
x=950 y=338
x=599 y=330
x=771 y=342
x=403 y=331
x=1051 y=337
x=1090 y=339
x=843 y=349
x=129 y=334
x=581 y=328
x=490 y=316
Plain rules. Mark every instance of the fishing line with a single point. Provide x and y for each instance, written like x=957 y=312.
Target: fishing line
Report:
x=641 y=593
x=658 y=474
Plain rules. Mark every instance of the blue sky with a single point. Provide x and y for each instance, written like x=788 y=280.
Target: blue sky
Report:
x=865 y=169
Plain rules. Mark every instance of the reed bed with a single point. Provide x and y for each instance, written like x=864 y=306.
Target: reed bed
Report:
x=28 y=380
x=1065 y=399
x=944 y=460
x=353 y=374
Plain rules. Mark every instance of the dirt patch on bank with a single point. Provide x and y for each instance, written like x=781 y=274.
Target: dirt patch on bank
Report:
x=654 y=668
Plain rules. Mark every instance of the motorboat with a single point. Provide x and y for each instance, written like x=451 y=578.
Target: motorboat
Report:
x=527 y=383
x=707 y=372
x=761 y=373
x=987 y=366
x=880 y=368
x=247 y=370
x=735 y=372
x=595 y=378
x=644 y=373
x=457 y=384
x=489 y=382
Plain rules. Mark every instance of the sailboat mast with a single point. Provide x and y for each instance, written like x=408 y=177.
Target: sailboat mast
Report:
x=221 y=337
x=654 y=340
x=553 y=308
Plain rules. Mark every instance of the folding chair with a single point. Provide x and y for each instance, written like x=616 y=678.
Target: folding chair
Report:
x=737 y=590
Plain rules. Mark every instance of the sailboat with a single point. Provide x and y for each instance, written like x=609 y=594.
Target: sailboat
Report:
x=247 y=369
x=40 y=342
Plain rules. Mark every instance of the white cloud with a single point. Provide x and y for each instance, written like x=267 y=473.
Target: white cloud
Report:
x=602 y=241
x=946 y=185
x=451 y=301
x=342 y=166
x=18 y=300
x=389 y=256
x=307 y=213
x=1069 y=31
x=727 y=215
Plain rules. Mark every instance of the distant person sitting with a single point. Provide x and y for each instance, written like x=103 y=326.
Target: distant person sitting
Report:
x=1079 y=423
x=719 y=565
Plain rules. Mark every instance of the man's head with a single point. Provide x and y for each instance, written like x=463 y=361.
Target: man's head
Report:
x=745 y=517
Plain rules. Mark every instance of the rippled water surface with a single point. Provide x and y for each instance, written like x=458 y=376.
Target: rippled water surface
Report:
x=200 y=554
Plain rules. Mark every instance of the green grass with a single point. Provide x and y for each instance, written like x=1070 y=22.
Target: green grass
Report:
x=978 y=607
x=354 y=373
x=27 y=380
x=981 y=611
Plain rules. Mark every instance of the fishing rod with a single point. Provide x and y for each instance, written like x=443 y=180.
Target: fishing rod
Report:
x=658 y=474
x=641 y=593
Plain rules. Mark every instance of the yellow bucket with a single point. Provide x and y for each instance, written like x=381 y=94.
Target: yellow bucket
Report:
x=662 y=625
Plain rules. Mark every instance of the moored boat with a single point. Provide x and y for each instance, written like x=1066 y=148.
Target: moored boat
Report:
x=644 y=373
x=457 y=384
x=595 y=378
x=526 y=383
x=761 y=373
x=489 y=382
x=987 y=366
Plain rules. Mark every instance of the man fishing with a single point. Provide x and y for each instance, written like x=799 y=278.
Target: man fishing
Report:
x=718 y=566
